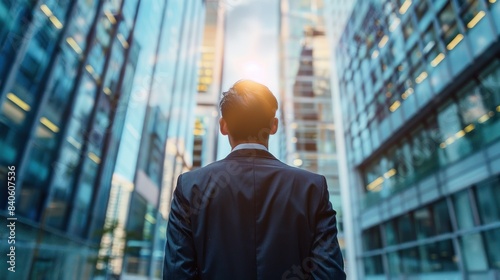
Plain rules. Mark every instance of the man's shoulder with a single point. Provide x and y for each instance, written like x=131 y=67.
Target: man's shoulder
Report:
x=230 y=165
x=302 y=173
x=203 y=170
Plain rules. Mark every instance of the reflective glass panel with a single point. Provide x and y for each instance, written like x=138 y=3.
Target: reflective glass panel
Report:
x=438 y=256
x=406 y=228
x=492 y=238
x=488 y=201
x=463 y=211
x=442 y=223
x=473 y=252
x=410 y=261
x=373 y=265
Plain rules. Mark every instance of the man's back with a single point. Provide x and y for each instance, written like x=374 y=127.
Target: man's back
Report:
x=250 y=216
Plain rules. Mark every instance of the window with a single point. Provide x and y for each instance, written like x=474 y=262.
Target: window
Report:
x=387 y=59
x=388 y=172
x=421 y=9
x=373 y=265
x=373 y=77
x=488 y=201
x=31 y=69
x=402 y=71
x=64 y=175
x=416 y=61
x=374 y=133
x=492 y=238
x=82 y=202
x=410 y=261
x=394 y=262
x=473 y=252
x=371 y=239
x=472 y=14
x=408 y=29
x=463 y=211
x=397 y=40
x=453 y=142
x=136 y=221
x=431 y=48
x=383 y=64
x=437 y=257
x=406 y=228
x=403 y=165
x=449 y=28
x=366 y=143
x=489 y=89
x=357 y=148
x=471 y=109
x=423 y=150
x=442 y=223
x=45 y=35
x=391 y=237
x=424 y=223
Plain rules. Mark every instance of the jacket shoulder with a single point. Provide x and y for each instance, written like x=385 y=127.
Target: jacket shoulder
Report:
x=228 y=165
x=302 y=173
x=196 y=173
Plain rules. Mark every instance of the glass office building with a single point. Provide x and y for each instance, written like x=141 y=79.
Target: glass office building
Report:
x=206 y=127
x=306 y=114
x=157 y=142
x=62 y=66
x=419 y=85
x=90 y=91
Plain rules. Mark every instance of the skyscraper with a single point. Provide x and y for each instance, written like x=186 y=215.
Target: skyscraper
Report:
x=420 y=95
x=90 y=91
x=206 y=129
x=306 y=100
x=159 y=127
x=60 y=89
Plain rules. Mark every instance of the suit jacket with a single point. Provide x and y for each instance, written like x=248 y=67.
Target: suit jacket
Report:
x=250 y=216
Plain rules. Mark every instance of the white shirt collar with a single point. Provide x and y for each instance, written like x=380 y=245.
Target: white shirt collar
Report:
x=254 y=146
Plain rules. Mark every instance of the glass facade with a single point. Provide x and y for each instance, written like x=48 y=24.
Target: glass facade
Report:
x=306 y=108
x=420 y=99
x=55 y=115
x=206 y=126
x=89 y=93
x=158 y=124
x=433 y=234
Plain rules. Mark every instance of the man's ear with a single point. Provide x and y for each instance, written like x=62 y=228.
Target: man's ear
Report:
x=223 y=126
x=274 y=126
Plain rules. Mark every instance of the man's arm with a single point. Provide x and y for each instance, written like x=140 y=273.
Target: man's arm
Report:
x=326 y=254
x=180 y=256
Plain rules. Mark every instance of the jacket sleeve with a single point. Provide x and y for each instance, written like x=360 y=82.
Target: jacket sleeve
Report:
x=180 y=255
x=326 y=255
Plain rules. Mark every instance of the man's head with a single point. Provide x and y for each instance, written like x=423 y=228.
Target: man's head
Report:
x=248 y=113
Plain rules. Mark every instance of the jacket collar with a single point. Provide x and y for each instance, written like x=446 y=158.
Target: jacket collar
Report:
x=248 y=153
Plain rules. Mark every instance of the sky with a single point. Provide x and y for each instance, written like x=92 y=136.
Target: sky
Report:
x=251 y=50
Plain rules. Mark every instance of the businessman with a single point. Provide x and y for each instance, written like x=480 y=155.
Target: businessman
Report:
x=250 y=216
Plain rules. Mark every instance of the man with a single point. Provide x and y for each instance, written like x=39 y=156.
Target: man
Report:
x=250 y=216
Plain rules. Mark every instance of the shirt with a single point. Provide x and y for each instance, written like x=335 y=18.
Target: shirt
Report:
x=249 y=146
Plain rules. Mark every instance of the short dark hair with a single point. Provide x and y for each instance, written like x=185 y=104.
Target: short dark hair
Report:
x=249 y=109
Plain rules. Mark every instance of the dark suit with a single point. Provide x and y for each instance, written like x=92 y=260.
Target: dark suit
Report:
x=250 y=216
